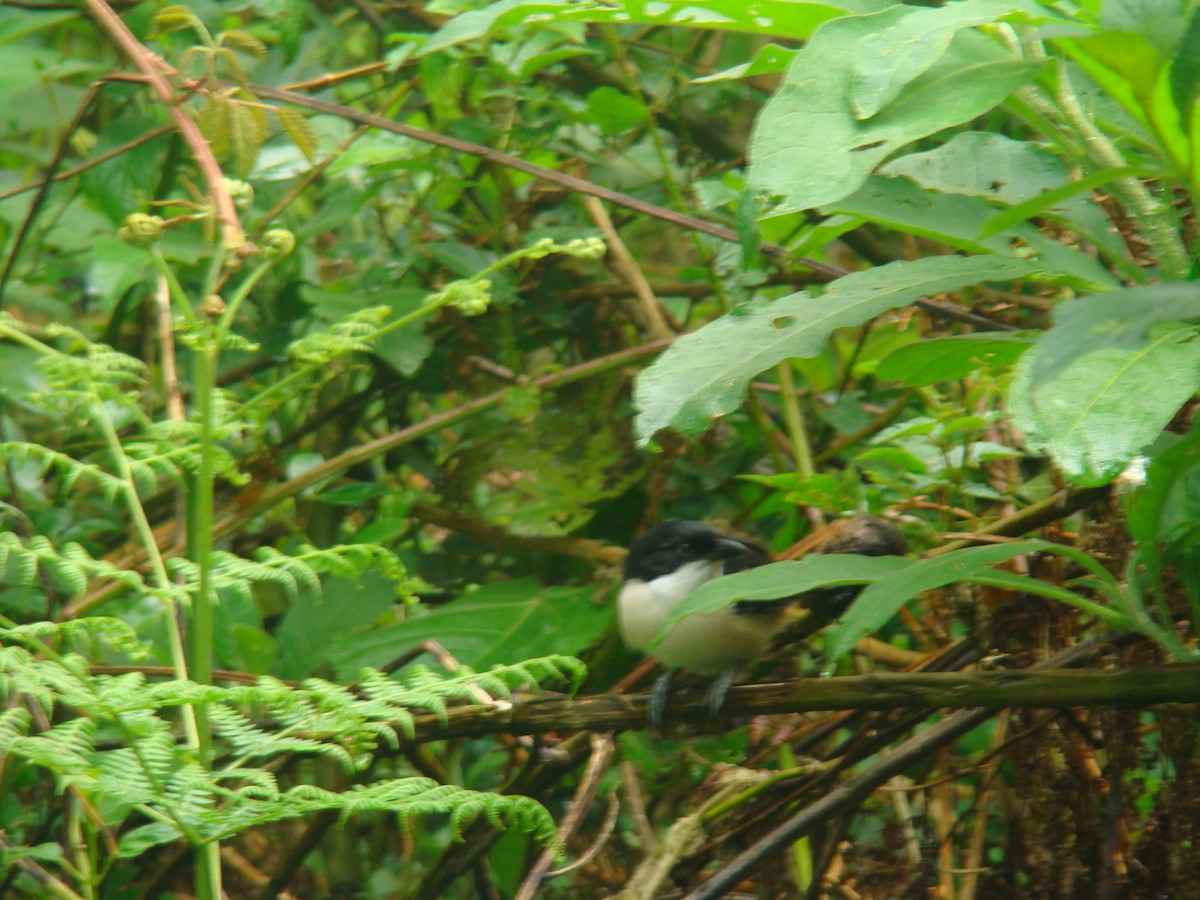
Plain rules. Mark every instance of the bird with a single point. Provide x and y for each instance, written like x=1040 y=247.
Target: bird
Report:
x=664 y=566
x=672 y=559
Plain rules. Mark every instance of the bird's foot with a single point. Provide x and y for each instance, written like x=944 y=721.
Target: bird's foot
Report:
x=658 y=699
x=717 y=691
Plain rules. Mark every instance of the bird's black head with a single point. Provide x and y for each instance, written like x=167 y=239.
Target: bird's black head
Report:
x=669 y=545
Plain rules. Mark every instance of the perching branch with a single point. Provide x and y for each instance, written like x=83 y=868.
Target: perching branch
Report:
x=1024 y=689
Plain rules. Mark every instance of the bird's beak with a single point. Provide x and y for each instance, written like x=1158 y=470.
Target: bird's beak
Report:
x=728 y=548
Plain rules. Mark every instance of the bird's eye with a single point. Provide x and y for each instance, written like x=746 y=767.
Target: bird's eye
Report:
x=687 y=551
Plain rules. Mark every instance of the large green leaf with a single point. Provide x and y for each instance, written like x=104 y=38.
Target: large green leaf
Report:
x=958 y=220
x=1120 y=319
x=705 y=374
x=1018 y=173
x=497 y=624
x=982 y=164
x=892 y=57
x=808 y=148
x=785 y=18
x=1106 y=406
x=883 y=598
x=1133 y=70
x=785 y=579
x=318 y=619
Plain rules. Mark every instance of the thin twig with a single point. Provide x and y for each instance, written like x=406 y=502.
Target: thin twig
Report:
x=39 y=198
x=650 y=312
x=585 y=794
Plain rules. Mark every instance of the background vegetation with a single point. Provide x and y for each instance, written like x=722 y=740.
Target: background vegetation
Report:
x=346 y=345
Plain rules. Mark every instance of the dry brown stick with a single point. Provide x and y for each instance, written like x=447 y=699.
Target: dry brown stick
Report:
x=1057 y=506
x=581 y=803
x=172 y=389
x=650 y=312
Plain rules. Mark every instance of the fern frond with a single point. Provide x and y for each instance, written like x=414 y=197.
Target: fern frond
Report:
x=65 y=750
x=70 y=471
x=14 y=723
x=249 y=741
x=351 y=335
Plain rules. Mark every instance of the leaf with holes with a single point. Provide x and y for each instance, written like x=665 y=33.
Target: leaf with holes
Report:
x=808 y=147
x=1108 y=405
x=705 y=374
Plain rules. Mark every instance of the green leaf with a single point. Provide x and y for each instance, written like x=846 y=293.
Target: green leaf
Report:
x=951 y=358
x=404 y=349
x=1027 y=176
x=1131 y=69
x=116 y=267
x=785 y=18
x=1051 y=197
x=957 y=220
x=615 y=112
x=892 y=57
x=785 y=579
x=769 y=60
x=983 y=164
x=884 y=597
x=808 y=149
x=298 y=129
x=1106 y=406
x=248 y=130
x=1157 y=20
x=1185 y=69
x=705 y=374
x=244 y=41
x=499 y=623
x=316 y=620
x=1170 y=485
x=1120 y=319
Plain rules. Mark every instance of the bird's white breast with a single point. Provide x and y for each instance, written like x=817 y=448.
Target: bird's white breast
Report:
x=706 y=643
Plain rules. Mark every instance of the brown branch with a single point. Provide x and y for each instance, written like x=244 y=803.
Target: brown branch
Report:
x=482 y=530
x=60 y=153
x=648 y=310
x=1022 y=689
x=1057 y=506
x=153 y=68
x=830 y=272
x=585 y=793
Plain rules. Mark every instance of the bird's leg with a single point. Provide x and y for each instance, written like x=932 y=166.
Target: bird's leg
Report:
x=717 y=691
x=658 y=699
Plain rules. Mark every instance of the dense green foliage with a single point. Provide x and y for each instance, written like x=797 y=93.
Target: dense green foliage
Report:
x=337 y=334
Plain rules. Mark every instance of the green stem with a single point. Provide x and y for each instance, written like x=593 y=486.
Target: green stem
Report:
x=794 y=417
x=1150 y=212
x=158 y=567
x=242 y=293
x=179 y=297
x=200 y=545
x=201 y=633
